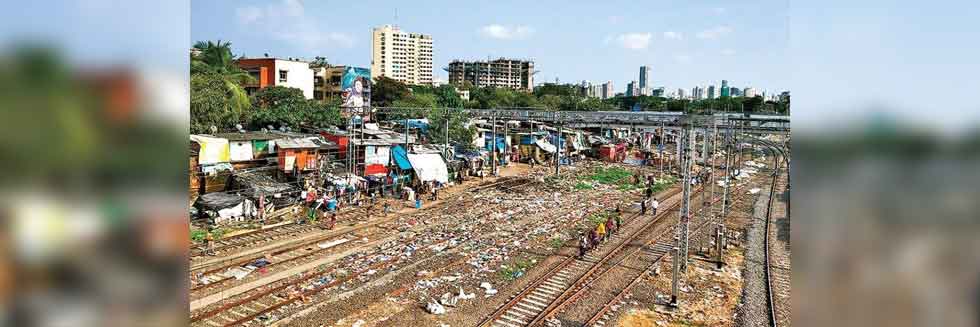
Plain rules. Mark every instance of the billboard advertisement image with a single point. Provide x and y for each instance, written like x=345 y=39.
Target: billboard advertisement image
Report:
x=356 y=90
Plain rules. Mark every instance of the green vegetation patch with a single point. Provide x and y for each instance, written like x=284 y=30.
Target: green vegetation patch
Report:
x=516 y=269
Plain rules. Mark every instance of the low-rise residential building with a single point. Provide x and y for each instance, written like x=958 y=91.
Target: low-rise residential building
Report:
x=275 y=71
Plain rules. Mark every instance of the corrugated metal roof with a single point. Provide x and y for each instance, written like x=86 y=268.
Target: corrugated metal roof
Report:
x=296 y=144
x=248 y=136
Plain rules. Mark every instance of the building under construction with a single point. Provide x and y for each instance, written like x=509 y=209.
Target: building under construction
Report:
x=513 y=73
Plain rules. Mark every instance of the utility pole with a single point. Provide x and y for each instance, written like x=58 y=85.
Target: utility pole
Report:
x=558 y=145
x=447 y=134
x=507 y=152
x=493 y=145
x=680 y=249
x=720 y=237
x=660 y=149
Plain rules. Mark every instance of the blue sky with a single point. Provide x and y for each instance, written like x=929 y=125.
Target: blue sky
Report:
x=686 y=42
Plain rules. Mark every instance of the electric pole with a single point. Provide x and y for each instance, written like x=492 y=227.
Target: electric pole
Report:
x=493 y=146
x=680 y=249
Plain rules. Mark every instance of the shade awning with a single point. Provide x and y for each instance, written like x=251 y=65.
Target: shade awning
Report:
x=547 y=147
x=429 y=167
x=401 y=157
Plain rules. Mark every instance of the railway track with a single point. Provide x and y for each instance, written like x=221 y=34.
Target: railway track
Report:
x=541 y=295
x=558 y=288
x=263 y=302
x=656 y=255
x=777 y=265
x=252 y=238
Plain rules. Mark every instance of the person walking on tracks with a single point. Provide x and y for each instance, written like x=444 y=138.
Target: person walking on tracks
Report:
x=593 y=239
x=583 y=244
x=610 y=227
x=209 y=243
x=601 y=231
x=653 y=205
x=643 y=206
x=619 y=221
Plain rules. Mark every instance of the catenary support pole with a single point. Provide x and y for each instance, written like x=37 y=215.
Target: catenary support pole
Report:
x=493 y=145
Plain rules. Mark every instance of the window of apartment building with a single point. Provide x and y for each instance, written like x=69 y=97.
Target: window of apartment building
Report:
x=282 y=76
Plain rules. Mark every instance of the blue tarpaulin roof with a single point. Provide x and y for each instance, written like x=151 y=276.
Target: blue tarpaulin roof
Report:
x=401 y=157
x=501 y=144
x=528 y=139
x=420 y=124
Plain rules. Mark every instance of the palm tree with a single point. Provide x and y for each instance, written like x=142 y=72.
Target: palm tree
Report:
x=216 y=58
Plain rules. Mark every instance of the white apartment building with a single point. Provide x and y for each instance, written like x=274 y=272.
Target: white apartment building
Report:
x=403 y=56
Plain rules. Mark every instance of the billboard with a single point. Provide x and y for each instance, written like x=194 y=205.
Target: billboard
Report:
x=355 y=85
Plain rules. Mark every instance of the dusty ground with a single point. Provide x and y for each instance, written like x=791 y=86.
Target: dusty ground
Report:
x=403 y=299
x=707 y=296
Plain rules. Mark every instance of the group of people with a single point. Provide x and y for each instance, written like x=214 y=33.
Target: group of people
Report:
x=600 y=233
x=415 y=193
x=649 y=198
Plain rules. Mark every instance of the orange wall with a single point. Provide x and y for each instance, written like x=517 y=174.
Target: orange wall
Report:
x=266 y=66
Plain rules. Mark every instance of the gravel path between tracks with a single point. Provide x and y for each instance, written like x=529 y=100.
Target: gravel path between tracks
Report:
x=753 y=308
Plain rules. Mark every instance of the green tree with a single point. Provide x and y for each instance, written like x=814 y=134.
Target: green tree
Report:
x=215 y=58
x=286 y=106
x=753 y=104
x=557 y=89
x=211 y=104
x=458 y=134
x=385 y=91
x=319 y=62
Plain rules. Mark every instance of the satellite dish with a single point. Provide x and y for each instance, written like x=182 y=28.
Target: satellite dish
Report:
x=214 y=129
x=264 y=130
x=282 y=128
x=270 y=127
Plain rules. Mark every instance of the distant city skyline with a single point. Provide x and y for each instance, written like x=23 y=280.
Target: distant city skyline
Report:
x=577 y=41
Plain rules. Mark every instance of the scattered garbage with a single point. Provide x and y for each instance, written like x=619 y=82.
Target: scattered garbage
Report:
x=488 y=289
x=358 y=323
x=435 y=308
x=755 y=190
x=239 y=272
x=463 y=296
x=332 y=243
x=448 y=300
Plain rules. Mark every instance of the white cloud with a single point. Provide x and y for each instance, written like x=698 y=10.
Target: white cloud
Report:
x=671 y=35
x=248 y=15
x=286 y=21
x=714 y=33
x=682 y=58
x=728 y=52
x=635 y=41
x=503 y=32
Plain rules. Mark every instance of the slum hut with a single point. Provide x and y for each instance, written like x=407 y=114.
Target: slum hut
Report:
x=532 y=146
x=338 y=137
x=250 y=149
x=470 y=161
x=223 y=208
x=429 y=167
x=211 y=165
x=260 y=186
x=297 y=155
x=400 y=174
